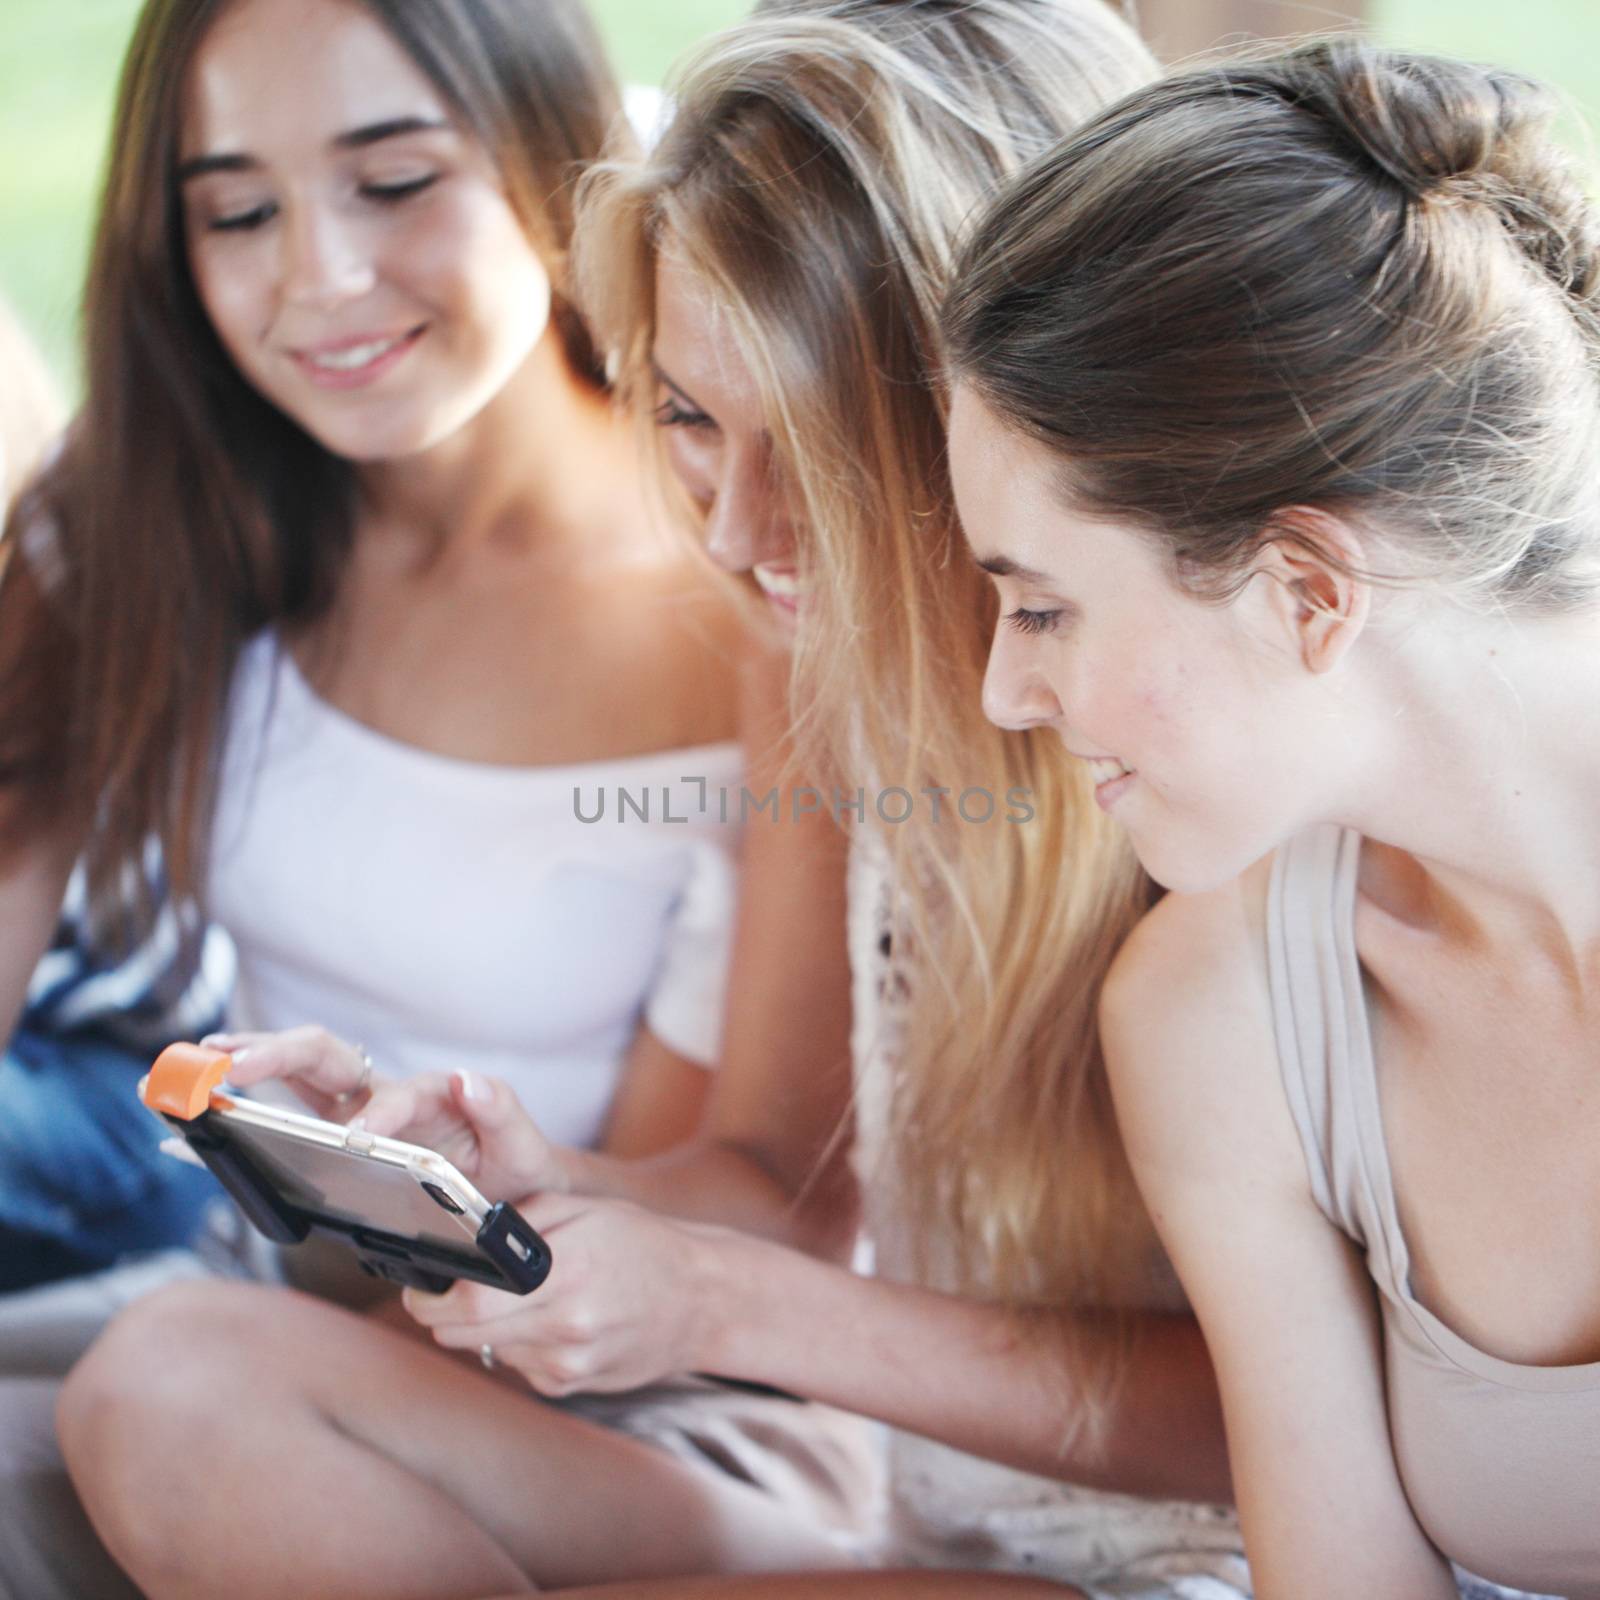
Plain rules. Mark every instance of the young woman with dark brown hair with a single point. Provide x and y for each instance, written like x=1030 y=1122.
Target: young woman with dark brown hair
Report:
x=349 y=575
x=31 y=413
x=1277 y=424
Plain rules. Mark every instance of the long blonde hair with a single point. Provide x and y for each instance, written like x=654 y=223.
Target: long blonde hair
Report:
x=820 y=163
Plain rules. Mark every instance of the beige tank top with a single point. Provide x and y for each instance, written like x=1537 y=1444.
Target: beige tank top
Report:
x=1501 y=1462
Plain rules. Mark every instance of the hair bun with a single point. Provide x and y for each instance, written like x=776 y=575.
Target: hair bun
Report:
x=1424 y=121
x=1441 y=128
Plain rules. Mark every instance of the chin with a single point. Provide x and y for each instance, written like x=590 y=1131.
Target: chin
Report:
x=373 y=446
x=1196 y=866
x=368 y=427
x=785 y=623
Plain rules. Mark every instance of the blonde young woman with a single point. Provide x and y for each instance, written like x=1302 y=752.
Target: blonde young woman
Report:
x=768 y=282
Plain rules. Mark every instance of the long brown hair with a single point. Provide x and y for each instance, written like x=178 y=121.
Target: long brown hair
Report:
x=185 y=512
x=820 y=164
x=31 y=412
x=1337 y=276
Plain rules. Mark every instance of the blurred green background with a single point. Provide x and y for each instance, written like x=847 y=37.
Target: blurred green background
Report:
x=58 y=63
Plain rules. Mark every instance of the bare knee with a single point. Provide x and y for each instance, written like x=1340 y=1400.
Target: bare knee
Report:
x=154 y=1360
x=134 y=1415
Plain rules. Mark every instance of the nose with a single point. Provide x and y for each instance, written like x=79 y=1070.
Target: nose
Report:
x=1016 y=693
x=749 y=521
x=324 y=262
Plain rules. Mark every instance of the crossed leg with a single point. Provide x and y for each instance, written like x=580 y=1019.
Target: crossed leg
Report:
x=229 y=1439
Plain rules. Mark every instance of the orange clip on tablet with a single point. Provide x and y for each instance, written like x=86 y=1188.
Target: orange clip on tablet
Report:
x=181 y=1081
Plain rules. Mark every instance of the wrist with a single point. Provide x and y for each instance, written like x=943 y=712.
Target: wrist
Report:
x=726 y=1275
x=569 y=1170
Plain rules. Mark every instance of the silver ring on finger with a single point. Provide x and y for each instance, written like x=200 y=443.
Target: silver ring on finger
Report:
x=363 y=1084
x=486 y=1356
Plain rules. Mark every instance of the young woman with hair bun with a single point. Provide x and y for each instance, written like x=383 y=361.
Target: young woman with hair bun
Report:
x=1277 y=423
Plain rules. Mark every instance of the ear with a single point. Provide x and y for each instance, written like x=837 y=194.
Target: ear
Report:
x=1309 y=557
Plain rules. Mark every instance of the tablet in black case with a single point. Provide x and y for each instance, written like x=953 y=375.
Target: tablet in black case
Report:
x=405 y=1211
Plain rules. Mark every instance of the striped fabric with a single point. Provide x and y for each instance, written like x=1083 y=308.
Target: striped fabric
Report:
x=173 y=985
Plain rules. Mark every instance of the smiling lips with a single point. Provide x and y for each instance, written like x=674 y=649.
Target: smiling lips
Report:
x=781 y=585
x=1111 y=779
x=353 y=363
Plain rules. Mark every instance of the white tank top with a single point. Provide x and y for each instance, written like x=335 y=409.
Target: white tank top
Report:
x=453 y=914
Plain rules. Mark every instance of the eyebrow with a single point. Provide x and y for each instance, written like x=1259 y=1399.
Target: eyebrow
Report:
x=1005 y=567
x=356 y=139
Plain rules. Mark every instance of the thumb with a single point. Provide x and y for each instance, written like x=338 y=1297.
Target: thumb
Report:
x=508 y=1137
x=391 y=1110
x=485 y=1102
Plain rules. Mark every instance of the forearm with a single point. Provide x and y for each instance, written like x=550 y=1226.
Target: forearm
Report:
x=990 y=1380
x=716 y=1182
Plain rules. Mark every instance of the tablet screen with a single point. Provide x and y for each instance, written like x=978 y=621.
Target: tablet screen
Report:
x=351 y=1189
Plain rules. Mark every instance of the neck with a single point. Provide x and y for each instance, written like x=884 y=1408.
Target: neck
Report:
x=546 y=470
x=1489 y=773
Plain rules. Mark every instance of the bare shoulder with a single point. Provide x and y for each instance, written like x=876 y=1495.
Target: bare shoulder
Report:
x=1191 y=948
x=1186 y=1019
x=1290 y=1316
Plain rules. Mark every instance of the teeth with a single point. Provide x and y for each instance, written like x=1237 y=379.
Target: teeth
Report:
x=358 y=355
x=784 y=585
x=1107 y=768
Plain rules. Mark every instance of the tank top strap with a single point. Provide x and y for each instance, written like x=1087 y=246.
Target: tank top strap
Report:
x=1498 y=1460
x=1319 y=1019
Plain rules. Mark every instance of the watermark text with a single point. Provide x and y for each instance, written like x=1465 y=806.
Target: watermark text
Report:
x=893 y=806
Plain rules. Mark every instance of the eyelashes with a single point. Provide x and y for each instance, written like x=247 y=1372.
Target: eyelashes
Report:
x=1033 y=621
x=385 y=194
x=670 y=414
x=242 y=221
x=392 y=193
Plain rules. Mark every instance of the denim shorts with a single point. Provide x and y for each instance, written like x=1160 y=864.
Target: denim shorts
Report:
x=82 y=1183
